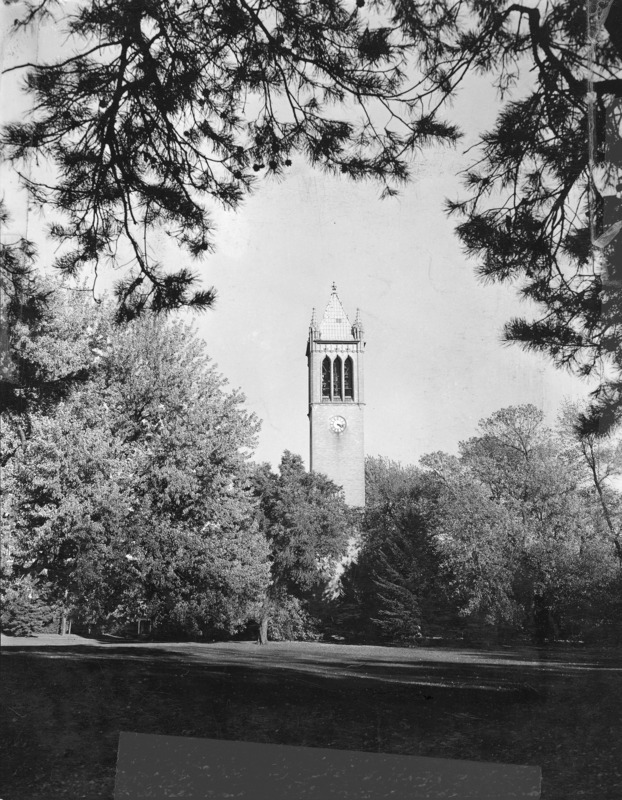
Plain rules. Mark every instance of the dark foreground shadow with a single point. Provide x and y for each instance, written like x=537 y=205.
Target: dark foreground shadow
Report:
x=65 y=706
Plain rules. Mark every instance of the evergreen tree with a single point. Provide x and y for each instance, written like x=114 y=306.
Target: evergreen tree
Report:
x=542 y=209
x=163 y=106
x=26 y=608
x=397 y=569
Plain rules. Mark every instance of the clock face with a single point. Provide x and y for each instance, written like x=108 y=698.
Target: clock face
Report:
x=337 y=424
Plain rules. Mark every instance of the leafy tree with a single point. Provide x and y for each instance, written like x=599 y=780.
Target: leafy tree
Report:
x=132 y=494
x=479 y=544
x=521 y=532
x=52 y=340
x=600 y=458
x=307 y=524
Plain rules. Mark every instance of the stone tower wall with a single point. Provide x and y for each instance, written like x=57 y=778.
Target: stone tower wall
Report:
x=339 y=454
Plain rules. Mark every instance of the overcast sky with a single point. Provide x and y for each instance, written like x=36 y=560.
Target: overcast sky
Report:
x=435 y=363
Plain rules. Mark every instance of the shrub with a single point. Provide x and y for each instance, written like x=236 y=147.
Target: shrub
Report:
x=291 y=622
x=25 y=609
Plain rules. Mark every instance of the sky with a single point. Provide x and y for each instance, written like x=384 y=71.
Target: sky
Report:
x=435 y=363
x=434 y=360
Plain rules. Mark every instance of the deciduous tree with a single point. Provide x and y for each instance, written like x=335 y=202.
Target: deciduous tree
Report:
x=52 y=339
x=308 y=526
x=522 y=533
x=132 y=494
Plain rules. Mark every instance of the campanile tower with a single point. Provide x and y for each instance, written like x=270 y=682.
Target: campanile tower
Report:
x=336 y=400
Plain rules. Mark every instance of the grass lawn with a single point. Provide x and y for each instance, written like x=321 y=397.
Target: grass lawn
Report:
x=65 y=699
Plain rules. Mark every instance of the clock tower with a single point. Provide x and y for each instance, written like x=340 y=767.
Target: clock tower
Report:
x=336 y=401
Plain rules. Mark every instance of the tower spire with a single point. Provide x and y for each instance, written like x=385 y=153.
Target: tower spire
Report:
x=335 y=325
x=357 y=328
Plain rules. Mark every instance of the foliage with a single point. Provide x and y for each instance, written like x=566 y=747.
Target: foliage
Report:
x=478 y=545
x=52 y=341
x=18 y=300
x=25 y=608
x=600 y=460
x=291 y=621
x=394 y=581
x=306 y=521
x=543 y=195
x=308 y=526
x=522 y=534
x=516 y=534
x=163 y=106
x=132 y=493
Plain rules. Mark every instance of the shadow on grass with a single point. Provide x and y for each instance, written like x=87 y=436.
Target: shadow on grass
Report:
x=65 y=706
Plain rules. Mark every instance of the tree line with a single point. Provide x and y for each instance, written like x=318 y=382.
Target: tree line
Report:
x=517 y=535
x=130 y=494
x=128 y=483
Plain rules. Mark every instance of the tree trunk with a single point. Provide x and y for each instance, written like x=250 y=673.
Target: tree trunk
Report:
x=592 y=462
x=63 y=618
x=263 y=629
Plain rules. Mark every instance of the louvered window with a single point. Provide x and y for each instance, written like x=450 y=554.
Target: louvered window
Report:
x=348 y=379
x=326 y=379
x=337 y=379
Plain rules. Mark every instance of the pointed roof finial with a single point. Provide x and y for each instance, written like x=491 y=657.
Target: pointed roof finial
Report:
x=313 y=320
x=335 y=325
x=357 y=328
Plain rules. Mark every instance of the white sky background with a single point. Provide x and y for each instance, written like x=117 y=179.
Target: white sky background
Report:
x=434 y=362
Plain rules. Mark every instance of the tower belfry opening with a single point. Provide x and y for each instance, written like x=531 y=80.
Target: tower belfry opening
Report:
x=336 y=400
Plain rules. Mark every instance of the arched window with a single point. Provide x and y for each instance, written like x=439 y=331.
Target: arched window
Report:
x=348 y=379
x=326 y=379
x=337 y=393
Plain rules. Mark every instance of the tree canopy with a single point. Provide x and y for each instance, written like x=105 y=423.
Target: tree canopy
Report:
x=542 y=208
x=521 y=529
x=163 y=108
x=517 y=535
x=130 y=496
x=308 y=526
